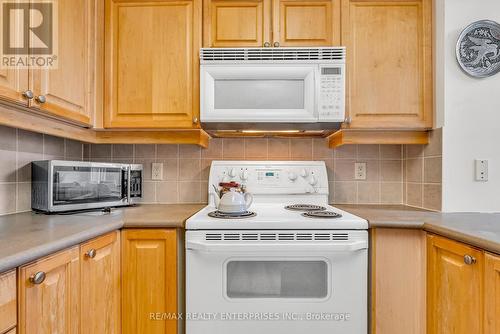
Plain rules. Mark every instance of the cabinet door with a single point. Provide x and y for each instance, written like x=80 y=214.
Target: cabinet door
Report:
x=152 y=63
x=66 y=89
x=306 y=23
x=236 y=23
x=389 y=63
x=149 y=285
x=455 y=287
x=13 y=82
x=8 y=301
x=49 y=294
x=492 y=296
x=100 y=279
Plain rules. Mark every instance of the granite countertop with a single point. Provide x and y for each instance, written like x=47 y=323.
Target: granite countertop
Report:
x=27 y=236
x=477 y=229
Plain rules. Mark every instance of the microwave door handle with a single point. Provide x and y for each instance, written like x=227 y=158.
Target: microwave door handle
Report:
x=276 y=247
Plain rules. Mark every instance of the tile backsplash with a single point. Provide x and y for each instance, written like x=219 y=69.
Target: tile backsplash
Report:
x=396 y=174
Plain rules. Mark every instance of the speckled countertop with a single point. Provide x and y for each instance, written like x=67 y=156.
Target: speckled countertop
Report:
x=27 y=236
x=477 y=229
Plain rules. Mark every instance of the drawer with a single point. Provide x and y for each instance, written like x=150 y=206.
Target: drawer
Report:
x=8 y=301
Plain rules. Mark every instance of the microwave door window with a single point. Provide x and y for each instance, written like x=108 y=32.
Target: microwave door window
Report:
x=259 y=94
x=74 y=185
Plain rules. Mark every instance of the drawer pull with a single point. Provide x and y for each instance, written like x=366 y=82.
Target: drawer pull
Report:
x=37 y=278
x=91 y=253
x=469 y=259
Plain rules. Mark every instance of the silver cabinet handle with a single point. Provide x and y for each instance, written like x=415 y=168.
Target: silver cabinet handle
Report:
x=37 y=278
x=91 y=253
x=28 y=94
x=267 y=44
x=348 y=120
x=195 y=120
x=469 y=259
x=41 y=99
x=276 y=44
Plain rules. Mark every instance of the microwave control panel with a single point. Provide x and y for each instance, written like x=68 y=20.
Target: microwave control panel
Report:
x=331 y=93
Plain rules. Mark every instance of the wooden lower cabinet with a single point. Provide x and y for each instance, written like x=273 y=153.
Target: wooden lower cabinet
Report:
x=455 y=275
x=100 y=285
x=398 y=258
x=492 y=294
x=8 y=301
x=49 y=294
x=149 y=280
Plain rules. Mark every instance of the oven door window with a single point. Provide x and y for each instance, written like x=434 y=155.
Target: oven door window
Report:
x=76 y=185
x=277 y=279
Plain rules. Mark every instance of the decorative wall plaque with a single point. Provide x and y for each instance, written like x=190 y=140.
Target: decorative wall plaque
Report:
x=478 y=49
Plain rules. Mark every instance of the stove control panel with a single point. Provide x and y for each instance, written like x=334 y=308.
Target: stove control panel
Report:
x=277 y=177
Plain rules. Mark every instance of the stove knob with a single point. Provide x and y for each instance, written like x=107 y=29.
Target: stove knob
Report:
x=313 y=180
x=244 y=175
x=303 y=173
x=232 y=172
x=292 y=176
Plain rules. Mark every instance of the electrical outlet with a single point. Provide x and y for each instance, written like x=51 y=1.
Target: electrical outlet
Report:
x=481 y=170
x=157 y=171
x=360 y=170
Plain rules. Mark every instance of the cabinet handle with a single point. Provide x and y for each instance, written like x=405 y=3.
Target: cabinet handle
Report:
x=267 y=44
x=348 y=120
x=276 y=44
x=195 y=120
x=28 y=94
x=37 y=278
x=41 y=99
x=91 y=253
x=469 y=259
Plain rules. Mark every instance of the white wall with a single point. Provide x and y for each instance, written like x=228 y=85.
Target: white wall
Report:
x=470 y=111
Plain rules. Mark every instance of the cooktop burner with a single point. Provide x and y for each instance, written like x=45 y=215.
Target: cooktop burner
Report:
x=322 y=214
x=305 y=207
x=223 y=215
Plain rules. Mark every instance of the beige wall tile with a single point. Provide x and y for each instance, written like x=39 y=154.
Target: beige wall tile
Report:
x=167 y=192
x=167 y=151
x=330 y=169
x=189 y=152
x=23 y=201
x=391 y=170
x=435 y=146
x=7 y=198
x=189 y=169
x=345 y=192
x=321 y=150
x=414 y=195
x=278 y=148
x=8 y=166
x=205 y=169
x=432 y=170
x=344 y=170
x=170 y=169
x=233 y=148
x=414 y=151
x=8 y=138
x=190 y=192
x=372 y=170
x=149 y=192
x=301 y=148
x=331 y=192
x=74 y=149
x=102 y=151
x=146 y=165
x=256 y=148
x=145 y=151
x=204 y=192
x=29 y=142
x=414 y=170
x=391 y=193
x=346 y=152
x=391 y=152
x=214 y=149
x=432 y=197
x=122 y=151
x=53 y=146
x=368 y=193
x=369 y=152
x=24 y=165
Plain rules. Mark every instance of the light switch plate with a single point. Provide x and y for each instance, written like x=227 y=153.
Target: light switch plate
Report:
x=360 y=170
x=157 y=171
x=481 y=170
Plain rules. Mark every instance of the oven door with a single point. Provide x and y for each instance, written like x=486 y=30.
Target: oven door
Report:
x=258 y=93
x=87 y=185
x=253 y=286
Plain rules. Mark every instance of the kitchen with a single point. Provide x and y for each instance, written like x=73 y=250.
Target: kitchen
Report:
x=257 y=165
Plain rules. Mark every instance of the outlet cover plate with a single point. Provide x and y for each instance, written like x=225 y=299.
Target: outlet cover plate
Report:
x=360 y=171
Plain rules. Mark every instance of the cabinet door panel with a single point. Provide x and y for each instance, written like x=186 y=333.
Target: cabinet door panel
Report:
x=455 y=288
x=8 y=301
x=306 y=23
x=149 y=264
x=492 y=295
x=152 y=63
x=101 y=285
x=236 y=23
x=13 y=82
x=389 y=63
x=67 y=88
x=52 y=306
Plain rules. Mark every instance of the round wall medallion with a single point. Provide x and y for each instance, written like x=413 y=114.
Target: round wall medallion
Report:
x=478 y=49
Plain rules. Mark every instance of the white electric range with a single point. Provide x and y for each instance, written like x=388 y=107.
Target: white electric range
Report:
x=296 y=265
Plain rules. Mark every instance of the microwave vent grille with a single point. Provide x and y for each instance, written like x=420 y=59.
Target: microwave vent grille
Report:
x=273 y=54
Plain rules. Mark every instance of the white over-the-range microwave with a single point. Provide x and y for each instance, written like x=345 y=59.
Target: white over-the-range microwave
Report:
x=272 y=88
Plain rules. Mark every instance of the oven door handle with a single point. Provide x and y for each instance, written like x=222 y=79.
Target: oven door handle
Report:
x=276 y=247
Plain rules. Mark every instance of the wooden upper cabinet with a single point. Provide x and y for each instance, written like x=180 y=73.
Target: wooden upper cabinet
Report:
x=306 y=23
x=492 y=295
x=100 y=285
x=236 y=23
x=152 y=63
x=454 y=287
x=13 y=83
x=389 y=63
x=66 y=91
x=49 y=294
x=149 y=265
